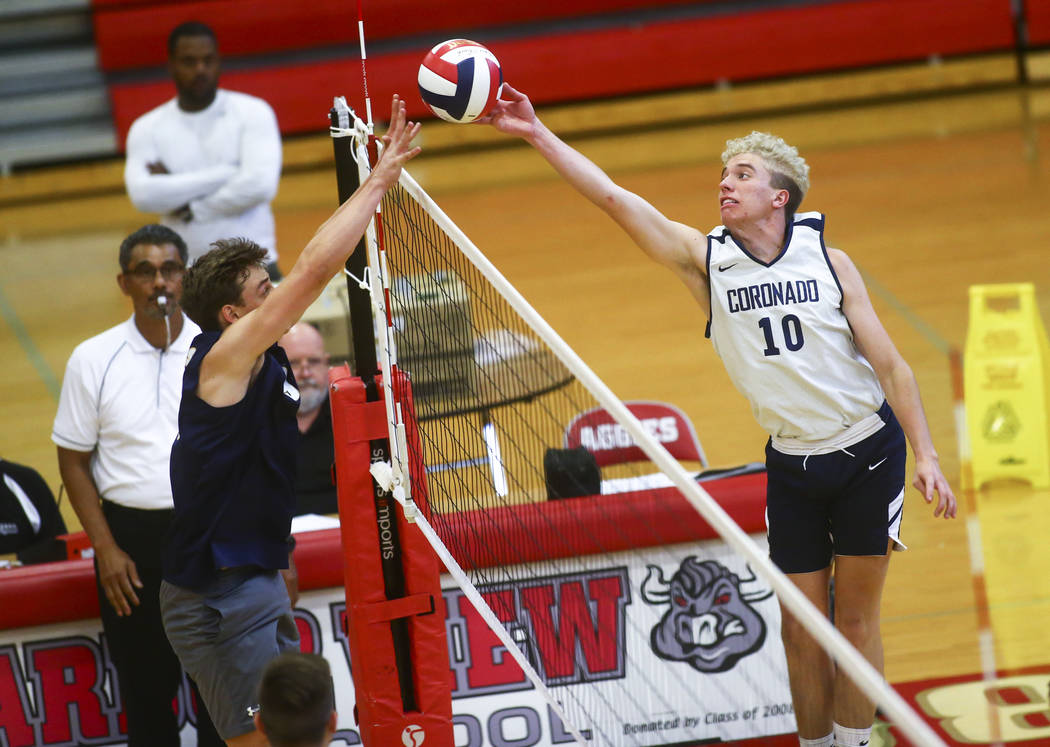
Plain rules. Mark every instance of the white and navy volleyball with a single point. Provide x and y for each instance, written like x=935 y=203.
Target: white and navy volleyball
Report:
x=460 y=80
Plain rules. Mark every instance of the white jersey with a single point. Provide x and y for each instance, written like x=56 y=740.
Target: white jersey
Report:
x=781 y=333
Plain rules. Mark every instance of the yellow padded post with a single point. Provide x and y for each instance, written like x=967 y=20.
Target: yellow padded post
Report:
x=1007 y=385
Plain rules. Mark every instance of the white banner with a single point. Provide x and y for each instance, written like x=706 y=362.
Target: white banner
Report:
x=681 y=643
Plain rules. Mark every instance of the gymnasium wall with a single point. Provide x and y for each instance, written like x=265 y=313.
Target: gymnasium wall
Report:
x=298 y=55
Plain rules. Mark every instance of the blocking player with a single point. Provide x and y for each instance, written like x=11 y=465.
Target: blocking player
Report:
x=226 y=610
x=800 y=339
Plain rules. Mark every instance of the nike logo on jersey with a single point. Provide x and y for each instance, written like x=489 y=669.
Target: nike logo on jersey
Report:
x=873 y=466
x=726 y=267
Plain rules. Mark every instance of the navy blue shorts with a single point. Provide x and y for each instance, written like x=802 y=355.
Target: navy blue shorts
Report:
x=848 y=502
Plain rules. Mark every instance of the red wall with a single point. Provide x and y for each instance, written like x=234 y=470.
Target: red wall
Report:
x=1038 y=16
x=133 y=33
x=555 y=67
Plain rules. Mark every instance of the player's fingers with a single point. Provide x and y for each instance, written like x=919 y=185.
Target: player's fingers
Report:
x=497 y=112
x=408 y=155
x=401 y=133
x=515 y=94
x=406 y=135
x=951 y=504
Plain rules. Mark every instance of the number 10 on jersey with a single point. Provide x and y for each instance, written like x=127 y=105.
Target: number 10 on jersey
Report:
x=791 y=329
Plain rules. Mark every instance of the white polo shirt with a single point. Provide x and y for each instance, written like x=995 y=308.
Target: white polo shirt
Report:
x=120 y=400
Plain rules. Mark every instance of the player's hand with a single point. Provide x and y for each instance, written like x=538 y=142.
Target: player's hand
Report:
x=157 y=167
x=513 y=113
x=119 y=578
x=397 y=144
x=183 y=213
x=929 y=480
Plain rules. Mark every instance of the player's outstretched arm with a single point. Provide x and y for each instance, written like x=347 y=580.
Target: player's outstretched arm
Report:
x=666 y=241
x=898 y=381
x=325 y=254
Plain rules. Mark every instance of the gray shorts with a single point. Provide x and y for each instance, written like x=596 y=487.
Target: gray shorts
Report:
x=225 y=634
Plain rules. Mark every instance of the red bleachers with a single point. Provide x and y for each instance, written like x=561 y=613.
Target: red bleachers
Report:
x=133 y=33
x=1038 y=16
x=555 y=67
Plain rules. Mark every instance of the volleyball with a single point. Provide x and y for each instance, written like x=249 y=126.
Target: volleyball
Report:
x=460 y=80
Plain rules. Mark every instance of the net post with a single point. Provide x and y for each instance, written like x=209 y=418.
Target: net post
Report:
x=383 y=630
x=395 y=621
x=347 y=182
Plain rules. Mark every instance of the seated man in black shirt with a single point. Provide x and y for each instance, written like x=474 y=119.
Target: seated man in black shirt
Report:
x=29 y=516
x=314 y=487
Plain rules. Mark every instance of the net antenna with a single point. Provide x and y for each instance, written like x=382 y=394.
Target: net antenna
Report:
x=392 y=475
x=364 y=66
x=433 y=368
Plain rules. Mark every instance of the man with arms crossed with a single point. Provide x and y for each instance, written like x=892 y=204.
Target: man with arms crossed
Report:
x=225 y=608
x=800 y=339
x=208 y=160
x=116 y=419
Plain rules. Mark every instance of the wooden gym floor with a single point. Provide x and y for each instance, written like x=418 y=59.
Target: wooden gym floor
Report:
x=928 y=194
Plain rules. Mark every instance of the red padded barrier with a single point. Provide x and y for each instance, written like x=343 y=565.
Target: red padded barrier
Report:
x=1037 y=13
x=380 y=713
x=134 y=34
x=652 y=57
x=47 y=593
x=58 y=592
x=613 y=523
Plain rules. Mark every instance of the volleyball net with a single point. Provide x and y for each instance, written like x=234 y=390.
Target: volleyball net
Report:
x=580 y=532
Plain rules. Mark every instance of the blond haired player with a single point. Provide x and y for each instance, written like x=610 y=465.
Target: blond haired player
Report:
x=797 y=333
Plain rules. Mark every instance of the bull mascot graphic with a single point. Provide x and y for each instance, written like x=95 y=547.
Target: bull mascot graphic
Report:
x=710 y=623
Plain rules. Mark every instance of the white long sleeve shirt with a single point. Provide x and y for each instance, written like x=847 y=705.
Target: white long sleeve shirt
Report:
x=223 y=161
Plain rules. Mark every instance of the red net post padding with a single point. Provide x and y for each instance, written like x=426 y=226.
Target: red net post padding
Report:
x=380 y=714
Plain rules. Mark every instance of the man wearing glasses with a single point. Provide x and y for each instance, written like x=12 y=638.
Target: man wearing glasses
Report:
x=117 y=416
x=314 y=489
